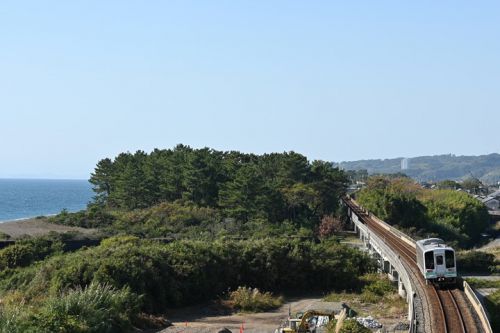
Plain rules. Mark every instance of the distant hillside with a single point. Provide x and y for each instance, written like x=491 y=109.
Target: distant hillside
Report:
x=436 y=168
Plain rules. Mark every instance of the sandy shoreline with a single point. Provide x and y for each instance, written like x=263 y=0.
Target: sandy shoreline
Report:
x=27 y=218
x=37 y=227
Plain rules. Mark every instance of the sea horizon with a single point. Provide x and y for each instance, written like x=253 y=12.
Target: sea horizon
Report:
x=28 y=198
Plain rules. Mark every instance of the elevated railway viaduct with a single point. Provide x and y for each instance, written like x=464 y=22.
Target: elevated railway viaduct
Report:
x=430 y=309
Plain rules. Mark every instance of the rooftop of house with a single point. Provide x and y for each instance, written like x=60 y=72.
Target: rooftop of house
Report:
x=495 y=194
x=487 y=199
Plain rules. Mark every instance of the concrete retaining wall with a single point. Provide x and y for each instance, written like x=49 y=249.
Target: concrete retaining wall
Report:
x=478 y=307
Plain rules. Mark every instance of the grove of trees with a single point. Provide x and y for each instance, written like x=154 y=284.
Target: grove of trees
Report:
x=273 y=187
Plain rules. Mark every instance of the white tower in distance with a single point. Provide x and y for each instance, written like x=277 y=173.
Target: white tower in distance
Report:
x=405 y=164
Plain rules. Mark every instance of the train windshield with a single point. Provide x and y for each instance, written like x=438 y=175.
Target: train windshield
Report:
x=439 y=260
x=449 y=258
x=429 y=260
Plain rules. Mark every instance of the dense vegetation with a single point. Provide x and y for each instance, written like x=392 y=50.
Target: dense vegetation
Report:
x=203 y=193
x=144 y=275
x=436 y=168
x=27 y=251
x=370 y=288
x=454 y=216
x=477 y=262
x=174 y=220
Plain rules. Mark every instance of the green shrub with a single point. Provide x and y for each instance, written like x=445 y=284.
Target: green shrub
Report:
x=166 y=219
x=377 y=285
x=186 y=272
x=253 y=300
x=25 y=252
x=377 y=288
x=493 y=306
x=369 y=297
x=4 y=236
x=483 y=283
x=94 y=309
x=475 y=262
x=13 y=318
x=96 y=216
x=369 y=288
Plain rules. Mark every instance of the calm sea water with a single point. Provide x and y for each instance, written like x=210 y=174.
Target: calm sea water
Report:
x=23 y=198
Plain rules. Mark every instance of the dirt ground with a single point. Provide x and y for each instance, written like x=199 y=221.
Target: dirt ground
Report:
x=37 y=227
x=202 y=319
x=198 y=319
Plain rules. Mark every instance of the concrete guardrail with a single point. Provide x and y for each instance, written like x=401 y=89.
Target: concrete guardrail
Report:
x=478 y=307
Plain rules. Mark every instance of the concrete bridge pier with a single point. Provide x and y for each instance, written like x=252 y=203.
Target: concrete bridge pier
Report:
x=393 y=274
x=371 y=250
x=401 y=288
x=378 y=257
x=386 y=266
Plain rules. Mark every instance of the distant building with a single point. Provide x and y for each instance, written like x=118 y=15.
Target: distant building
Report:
x=495 y=194
x=426 y=184
x=491 y=202
x=405 y=164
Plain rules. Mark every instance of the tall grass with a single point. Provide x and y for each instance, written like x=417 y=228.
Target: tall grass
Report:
x=253 y=300
x=94 y=309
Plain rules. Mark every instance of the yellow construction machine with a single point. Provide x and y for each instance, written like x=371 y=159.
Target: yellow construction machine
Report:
x=314 y=320
x=306 y=322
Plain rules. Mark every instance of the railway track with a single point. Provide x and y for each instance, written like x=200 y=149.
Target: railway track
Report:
x=448 y=310
x=454 y=320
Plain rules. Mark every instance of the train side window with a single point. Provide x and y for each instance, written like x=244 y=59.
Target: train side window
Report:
x=439 y=260
x=449 y=258
x=429 y=260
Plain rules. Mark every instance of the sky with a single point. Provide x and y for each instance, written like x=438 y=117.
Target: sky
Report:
x=333 y=80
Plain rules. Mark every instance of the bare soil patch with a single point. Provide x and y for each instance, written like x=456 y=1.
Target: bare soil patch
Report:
x=38 y=227
x=206 y=319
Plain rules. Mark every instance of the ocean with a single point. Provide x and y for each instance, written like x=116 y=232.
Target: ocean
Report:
x=25 y=198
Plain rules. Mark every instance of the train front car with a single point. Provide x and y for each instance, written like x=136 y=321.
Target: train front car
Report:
x=436 y=261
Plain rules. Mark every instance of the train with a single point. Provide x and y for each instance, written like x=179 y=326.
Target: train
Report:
x=436 y=261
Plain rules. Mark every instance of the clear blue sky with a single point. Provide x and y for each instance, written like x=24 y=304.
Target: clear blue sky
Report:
x=334 y=80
